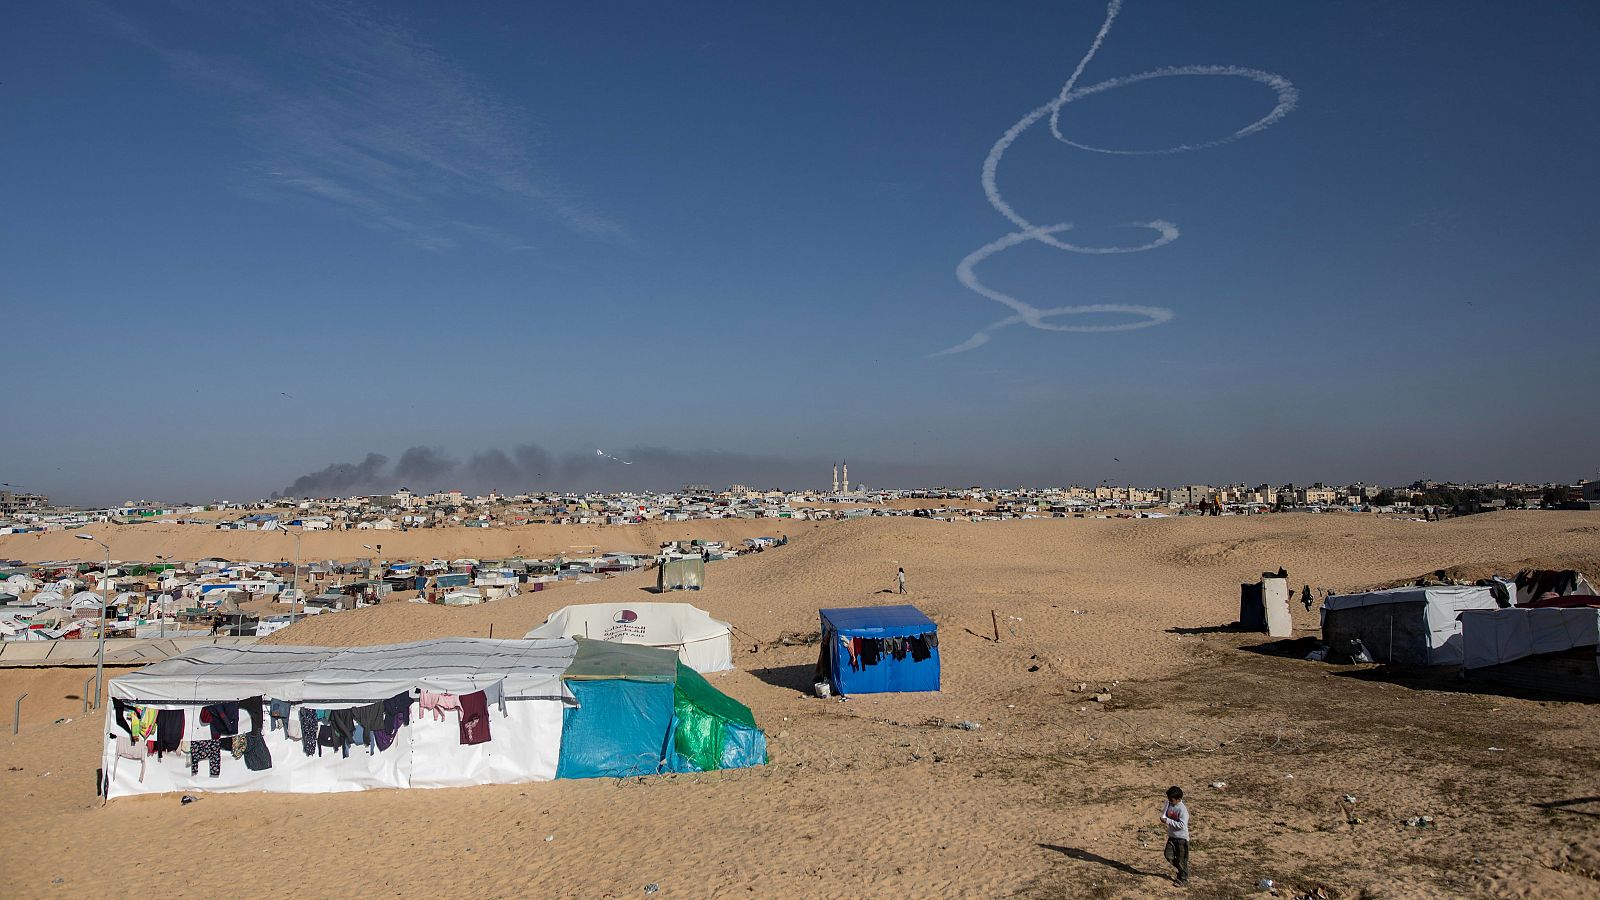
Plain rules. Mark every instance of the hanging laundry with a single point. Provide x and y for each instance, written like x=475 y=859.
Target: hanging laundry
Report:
x=327 y=737
x=143 y=722
x=474 y=718
x=129 y=748
x=370 y=718
x=253 y=706
x=919 y=648
x=308 y=730
x=208 y=750
x=439 y=702
x=869 y=652
x=343 y=722
x=119 y=714
x=278 y=716
x=396 y=714
x=256 y=755
x=237 y=744
x=169 y=731
x=495 y=695
x=222 y=717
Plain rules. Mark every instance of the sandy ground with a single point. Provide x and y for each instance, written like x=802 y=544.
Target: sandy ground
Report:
x=1055 y=796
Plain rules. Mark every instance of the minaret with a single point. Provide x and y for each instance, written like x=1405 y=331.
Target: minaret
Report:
x=836 y=478
x=847 y=478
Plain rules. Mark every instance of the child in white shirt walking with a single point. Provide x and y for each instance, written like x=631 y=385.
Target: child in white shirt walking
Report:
x=1175 y=816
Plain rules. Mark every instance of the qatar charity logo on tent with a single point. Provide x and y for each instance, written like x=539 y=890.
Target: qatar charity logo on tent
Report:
x=626 y=626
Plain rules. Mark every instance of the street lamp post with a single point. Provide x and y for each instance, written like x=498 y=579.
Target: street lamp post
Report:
x=161 y=608
x=379 y=551
x=294 y=582
x=100 y=656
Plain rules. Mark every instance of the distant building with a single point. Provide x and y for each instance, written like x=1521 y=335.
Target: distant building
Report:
x=12 y=503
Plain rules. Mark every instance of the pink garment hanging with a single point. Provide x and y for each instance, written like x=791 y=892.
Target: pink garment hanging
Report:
x=439 y=702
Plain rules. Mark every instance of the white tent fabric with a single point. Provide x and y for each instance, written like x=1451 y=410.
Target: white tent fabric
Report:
x=525 y=742
x=1442 y=605
x=1490 y=637
x=703 y=643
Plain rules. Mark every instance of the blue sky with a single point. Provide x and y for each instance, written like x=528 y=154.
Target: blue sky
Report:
x=242 y=242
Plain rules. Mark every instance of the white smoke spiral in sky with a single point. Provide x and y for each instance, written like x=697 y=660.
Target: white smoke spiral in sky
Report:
x=1164 y=232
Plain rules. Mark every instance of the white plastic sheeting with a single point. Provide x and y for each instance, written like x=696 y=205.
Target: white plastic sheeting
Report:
x=1490 y=637
x=525 y=742
x=1275 y=599
x=703 y=643
x=1441 y=605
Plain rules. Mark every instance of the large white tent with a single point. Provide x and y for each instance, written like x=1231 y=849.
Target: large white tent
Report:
x=1406 y=625
x=525 y=742
x=703 y=643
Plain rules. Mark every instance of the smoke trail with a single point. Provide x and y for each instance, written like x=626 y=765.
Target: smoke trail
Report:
x=1165 y=232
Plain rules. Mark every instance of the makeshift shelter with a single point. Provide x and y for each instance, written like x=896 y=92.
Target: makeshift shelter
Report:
x=878 y=649
x=641 y=711
x=86 y=603
x=1550 y=649
x=703 y=643
x=1264 y=606
x=1532 y=584
x=681 y=574
x=523 y=734
x=1413 y=626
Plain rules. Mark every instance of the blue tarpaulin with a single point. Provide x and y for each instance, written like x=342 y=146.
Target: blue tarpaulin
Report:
x=620 y=728
x=641 y=711
x=888 y=675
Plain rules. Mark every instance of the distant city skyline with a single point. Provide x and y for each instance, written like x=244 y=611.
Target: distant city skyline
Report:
x=431 y=470
x=256 y=240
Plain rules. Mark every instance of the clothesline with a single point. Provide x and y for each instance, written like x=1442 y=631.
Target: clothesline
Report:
x=341 y=700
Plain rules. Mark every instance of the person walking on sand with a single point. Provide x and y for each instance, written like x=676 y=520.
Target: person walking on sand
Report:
x=900 y=579
x=1175 y=816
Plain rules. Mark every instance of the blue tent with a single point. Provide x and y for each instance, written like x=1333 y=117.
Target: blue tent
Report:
x=641 y=712
x=852 y=673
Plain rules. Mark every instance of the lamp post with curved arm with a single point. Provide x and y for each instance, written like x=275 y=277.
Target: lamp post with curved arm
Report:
x=100 y=656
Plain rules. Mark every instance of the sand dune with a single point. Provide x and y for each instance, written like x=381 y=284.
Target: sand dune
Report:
x=1054 y=796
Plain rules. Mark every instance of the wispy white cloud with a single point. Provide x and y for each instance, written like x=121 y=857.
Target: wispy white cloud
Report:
x=348 y=108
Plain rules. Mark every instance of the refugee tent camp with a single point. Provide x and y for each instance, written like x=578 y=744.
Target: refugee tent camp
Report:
x=878 y=649
x=1415 y=626
x=642 y=711
x=684 y=573
x=1548 y=649
x=211 y=693
x=703 y=643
